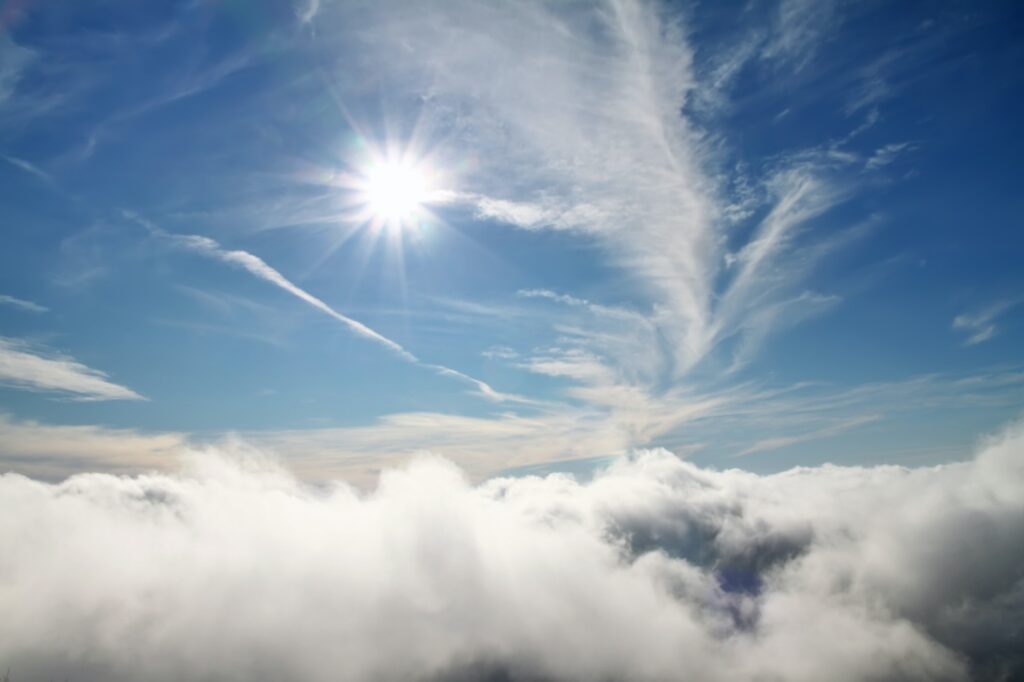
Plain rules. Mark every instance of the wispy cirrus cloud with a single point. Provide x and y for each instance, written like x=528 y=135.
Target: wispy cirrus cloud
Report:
x=611 y=417
x=306 y=10
x=28 y=167
x=650 y=193
x=817 y=434
x=799 y=29
x=14 y=61
x=606 y=418
x=31 y=368
x=981 y=326
x=587 y=132
x=257 y=267
x=887 y=154
x=22 y=304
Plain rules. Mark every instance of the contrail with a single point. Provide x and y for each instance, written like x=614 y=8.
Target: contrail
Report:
x=255 y=265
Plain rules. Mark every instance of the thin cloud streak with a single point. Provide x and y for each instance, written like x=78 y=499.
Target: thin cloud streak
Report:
x=22 y=304
x=981 y=326
x=29 y=168
x=818 y=434
x=26 y=367
x=256 y=266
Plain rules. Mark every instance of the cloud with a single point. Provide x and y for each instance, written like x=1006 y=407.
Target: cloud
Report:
x=481 y=446
x=872 y=83
x=26 y=367
x=762 y=418
x=306 y=10
x=500 y=353
x=222 y=302
x=54 y=452
x=648 y=194
x=256 y=266
x=603 y=418
x=15 y=60
x=233 y=570
x=607 y=418
x=824 y=432
x=22 y=304
x=981 y=326
x=799 y=29
x=887 y=154
x=553 y=296
x=22 y=101
x=29 y=168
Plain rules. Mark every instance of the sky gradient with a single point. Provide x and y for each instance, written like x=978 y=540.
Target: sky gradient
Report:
x=511 y=341
x=758 y=235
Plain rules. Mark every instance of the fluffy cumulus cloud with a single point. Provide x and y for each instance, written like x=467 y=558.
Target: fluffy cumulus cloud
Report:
x=654 y=570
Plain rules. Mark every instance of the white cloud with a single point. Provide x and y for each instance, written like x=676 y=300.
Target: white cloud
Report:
x=222 y=302
x=655 y=570
x=50 y=451
x=583 y=132
x=256 y=266
x=500 y=353
x=481 y=446
x=887 y=154
x=14 y=61
x=800 y=28
x=22 y=304
x=825 y=432
x=604 y=417
x=28 y=167
x=981 y=326
x=306 y=10
x=30 y=368
x=553 y=296
x=609 y=417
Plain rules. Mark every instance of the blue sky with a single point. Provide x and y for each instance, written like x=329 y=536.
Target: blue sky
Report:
x=757 y=234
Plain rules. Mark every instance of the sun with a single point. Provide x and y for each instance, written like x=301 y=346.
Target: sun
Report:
x=394 y=192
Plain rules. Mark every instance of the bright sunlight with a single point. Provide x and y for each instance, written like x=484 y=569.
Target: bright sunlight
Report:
x=395 y=192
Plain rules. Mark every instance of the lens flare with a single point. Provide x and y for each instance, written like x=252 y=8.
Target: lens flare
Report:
x=394 y=193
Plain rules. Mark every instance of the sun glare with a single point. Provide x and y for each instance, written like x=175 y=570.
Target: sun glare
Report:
x=395 y=192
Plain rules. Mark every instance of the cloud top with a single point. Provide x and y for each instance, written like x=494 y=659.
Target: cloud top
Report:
x=654 y=570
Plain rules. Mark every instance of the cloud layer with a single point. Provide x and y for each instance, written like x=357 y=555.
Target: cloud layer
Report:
x=654 y=570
